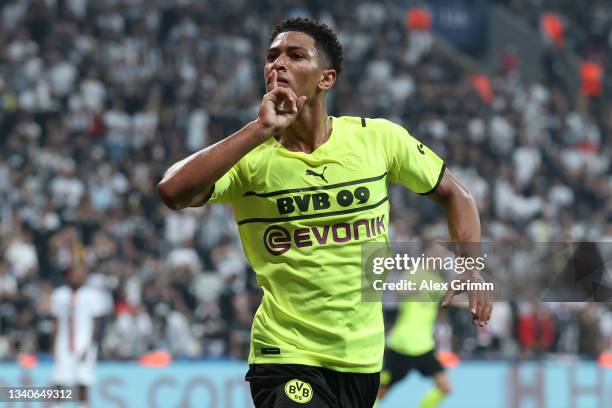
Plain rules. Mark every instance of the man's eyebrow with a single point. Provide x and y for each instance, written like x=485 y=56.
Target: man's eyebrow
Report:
x=289 y=48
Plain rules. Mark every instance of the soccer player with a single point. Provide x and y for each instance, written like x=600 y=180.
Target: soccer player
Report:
x=307 y=190
x=411 y=344
x=78 y=309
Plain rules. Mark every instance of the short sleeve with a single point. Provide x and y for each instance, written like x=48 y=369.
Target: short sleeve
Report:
x=228 y=187
x=103 y=303
x=410 y=162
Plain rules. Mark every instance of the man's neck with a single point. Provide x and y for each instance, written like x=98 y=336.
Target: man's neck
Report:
x=310 y=129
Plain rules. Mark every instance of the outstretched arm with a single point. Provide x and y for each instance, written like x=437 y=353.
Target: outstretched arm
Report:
x=464 y=230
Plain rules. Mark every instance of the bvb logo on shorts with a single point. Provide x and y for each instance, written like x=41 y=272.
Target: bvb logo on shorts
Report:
x=298 y=391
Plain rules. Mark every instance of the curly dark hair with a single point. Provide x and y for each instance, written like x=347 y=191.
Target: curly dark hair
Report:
x=325 y=39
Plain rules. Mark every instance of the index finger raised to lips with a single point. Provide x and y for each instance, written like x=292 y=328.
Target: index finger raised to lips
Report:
x=272 y=84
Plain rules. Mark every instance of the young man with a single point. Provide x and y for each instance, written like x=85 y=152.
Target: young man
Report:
x=77 y=309
x=307 y=191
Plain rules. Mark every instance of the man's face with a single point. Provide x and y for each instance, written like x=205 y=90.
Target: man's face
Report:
x=76 y=276
x=297 y=62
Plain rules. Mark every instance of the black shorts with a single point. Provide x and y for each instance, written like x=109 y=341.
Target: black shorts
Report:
x=396 y=366
x=301 y=386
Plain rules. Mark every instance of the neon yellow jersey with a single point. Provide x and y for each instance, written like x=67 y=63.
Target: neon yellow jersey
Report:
x=302 y=219
x=413 y=332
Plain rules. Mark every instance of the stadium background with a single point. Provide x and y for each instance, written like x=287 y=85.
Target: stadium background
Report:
x=97 y=98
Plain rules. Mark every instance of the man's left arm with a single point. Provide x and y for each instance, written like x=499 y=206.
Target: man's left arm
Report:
x=96 y=337
x=464 y=230
x=98 y=323
x=417 y=167
x=54 y=331
x=100 y=305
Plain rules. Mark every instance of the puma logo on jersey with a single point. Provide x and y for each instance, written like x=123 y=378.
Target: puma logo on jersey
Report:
x=420 y=148
x=314 y=173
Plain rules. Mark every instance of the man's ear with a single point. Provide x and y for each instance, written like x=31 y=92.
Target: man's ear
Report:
x=328 y=79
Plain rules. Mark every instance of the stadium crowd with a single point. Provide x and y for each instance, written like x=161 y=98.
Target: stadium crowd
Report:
x=98 y=98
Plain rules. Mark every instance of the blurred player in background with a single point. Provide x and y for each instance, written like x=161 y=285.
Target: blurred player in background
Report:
x=307 y=190
x=411 y=344
x=78 y=309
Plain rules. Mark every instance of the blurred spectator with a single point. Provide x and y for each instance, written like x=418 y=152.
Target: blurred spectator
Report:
x=589 y=335
x=536 y=329
x=21 y=254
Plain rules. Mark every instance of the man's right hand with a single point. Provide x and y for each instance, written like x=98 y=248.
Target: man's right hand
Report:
x=189 y=182
x=279 y=107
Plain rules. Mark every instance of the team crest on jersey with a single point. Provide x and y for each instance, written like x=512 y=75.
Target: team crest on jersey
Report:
x=298 y=391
